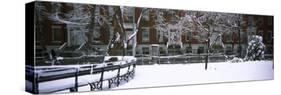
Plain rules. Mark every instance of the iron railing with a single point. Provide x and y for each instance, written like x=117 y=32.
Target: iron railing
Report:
x=44 y=74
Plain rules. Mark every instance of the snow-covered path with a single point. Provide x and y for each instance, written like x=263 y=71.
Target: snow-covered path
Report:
x=184 y=74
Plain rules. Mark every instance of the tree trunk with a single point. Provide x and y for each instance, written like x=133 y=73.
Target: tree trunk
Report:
x=239 y=41
x=208 y=49
x=91 y=27
x=232 y=43
x=120 y=20
x=190 y=41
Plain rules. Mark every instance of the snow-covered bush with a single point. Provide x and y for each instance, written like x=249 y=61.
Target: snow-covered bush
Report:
x=236 y=60
x=255 y=50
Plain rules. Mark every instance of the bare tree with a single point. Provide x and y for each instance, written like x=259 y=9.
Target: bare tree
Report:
x=120 y=35
x=206 y=23
x=210 y=22
x=81 y=16
x=169 y=25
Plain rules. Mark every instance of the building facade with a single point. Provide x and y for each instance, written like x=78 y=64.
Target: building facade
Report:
x=150 y=41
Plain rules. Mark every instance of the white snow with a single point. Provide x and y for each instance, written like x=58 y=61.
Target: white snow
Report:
x=122 y=59
x=60 y=84
x=186 y=74
x=65 y=83
x=173 y=74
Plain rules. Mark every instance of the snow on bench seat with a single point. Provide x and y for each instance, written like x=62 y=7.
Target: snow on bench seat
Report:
x=61 y=84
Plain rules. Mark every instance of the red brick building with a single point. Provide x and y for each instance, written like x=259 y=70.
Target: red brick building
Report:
x=52 y=33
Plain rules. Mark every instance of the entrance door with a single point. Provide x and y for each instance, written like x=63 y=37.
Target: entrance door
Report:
x=154 y=50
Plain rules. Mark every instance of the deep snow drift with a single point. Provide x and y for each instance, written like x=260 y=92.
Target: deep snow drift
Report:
x=184 y=74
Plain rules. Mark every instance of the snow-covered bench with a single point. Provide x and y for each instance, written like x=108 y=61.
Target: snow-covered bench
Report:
x=114 y=78
x=49 y=79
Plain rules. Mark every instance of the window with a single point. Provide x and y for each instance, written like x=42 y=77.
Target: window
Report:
x=130 y=11
x=260 y=20
x=110 y=11
x=146 y=15
x=270 y=20
x=145 y=50
x=260 y=32
x=252 y=30
x=97 y=10
x=269 y=50
x=270 y=36
x=243 y=37
x=55 y=7
x=129 y=20
x=96 y=34
x=159 y=36
x=38 y=33
x=97 y=13
x=145 y=35
x=174 y=36
x=162 y=51
x=111 y=33
x=250 y=20
x=56 y=34
x=189 y=36
x=200 y=50
x=229 y=50
x=228 y=36
x=188 y=50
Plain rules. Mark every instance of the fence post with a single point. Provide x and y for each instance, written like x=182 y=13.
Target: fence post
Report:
x=134 y=67
x=75 y=89
x=76 y=79
x=118 y=75
x=129 y=68
x=101 y=78
x=35 y=84
x=128 y=73
x=206 y=62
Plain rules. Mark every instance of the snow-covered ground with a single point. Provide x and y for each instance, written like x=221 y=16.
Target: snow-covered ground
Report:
x=176 y=74
x=65 y=83
x=60 y=84
x=185 y=74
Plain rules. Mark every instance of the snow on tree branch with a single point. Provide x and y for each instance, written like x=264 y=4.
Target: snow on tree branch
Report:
x=57 y=18
x=137 y=25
